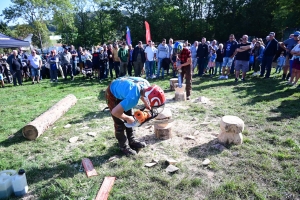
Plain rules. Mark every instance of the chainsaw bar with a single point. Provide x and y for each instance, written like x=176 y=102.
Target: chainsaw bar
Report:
x=156 y=121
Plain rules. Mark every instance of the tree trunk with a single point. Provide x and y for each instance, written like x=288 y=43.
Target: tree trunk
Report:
x=38 y=126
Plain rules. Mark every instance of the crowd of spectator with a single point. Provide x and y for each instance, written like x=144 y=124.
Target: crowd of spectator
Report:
x=119 y=59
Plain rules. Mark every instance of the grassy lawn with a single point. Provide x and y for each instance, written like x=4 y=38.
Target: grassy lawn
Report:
x=265 y=166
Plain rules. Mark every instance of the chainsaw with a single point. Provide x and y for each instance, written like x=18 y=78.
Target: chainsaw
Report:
x=145 y=117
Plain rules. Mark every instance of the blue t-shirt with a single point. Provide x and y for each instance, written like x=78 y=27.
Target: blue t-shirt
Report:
x=230 y=47
x=128 y=89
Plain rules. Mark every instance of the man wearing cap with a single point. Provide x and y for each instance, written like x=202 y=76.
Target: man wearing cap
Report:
x=138 y=58
x=268 y=55
x=289 y=44
x=66 y=59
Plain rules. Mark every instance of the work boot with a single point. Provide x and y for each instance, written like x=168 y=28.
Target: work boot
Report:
x=128 y=151
x=135 y=144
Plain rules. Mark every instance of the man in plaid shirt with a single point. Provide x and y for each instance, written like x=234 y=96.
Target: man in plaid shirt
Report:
x=186 y=61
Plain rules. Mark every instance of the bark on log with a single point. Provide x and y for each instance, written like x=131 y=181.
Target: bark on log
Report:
x=172 y=83
x=163 y=133
x=180 y=96
x=38 y=126
x=231 y=130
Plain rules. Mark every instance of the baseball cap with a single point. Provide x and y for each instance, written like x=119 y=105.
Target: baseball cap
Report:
x=297 y=33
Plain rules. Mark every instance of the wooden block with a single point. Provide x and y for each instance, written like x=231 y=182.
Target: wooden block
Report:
x=105 y=188
x=178 y=89
x=172 y=83
x=88 y=167
x=180 y=96
x=163 y=133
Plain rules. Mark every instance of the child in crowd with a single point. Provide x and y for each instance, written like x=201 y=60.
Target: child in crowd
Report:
x=280 y=63
x=212 y=62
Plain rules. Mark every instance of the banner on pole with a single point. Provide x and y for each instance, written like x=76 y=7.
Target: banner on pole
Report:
x=128 y=36
x=148 y=35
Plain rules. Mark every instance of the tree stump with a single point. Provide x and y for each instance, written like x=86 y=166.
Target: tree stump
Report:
x=172 y=83
x=38 y=126
x=163 y=131
x=231 y=130
x=180 y=94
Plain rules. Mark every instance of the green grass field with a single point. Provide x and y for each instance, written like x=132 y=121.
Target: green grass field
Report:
x=265 y=166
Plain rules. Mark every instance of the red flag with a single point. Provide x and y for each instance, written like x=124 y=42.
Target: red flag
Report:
x=148 y=35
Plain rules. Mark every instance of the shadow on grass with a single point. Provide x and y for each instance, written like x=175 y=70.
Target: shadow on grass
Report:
x=13 y=139
x=69 y=170
x=205 y=150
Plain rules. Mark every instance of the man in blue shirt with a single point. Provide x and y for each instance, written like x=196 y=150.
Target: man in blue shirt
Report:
x=121 y=96
x=229 y=48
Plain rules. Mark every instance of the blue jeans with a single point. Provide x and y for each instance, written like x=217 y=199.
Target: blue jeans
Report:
x=158 y=68
x=218 y=65
x=194 y=63
x=266 y=63
x=149 y=67
x=53 y=74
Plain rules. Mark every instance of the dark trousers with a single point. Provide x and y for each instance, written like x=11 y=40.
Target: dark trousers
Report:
x=17 y=75
x=117 y=68
x=6 y=74
x=138 y=66
x=111 y=67
x=123 y=69
x=103 y=66
x=256 y=67
x=187 y=71
x=201 y=66
x=68 y=69
x=120 y=128
x=129 y=67
x=266 y=63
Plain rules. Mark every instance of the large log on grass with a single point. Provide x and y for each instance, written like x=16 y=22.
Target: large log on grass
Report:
x=38 y=126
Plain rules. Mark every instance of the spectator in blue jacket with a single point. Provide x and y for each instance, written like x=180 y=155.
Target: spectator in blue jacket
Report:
x=162 y=52
x=280 y=63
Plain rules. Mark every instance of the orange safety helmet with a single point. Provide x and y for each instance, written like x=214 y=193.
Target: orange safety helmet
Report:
x=155 y=96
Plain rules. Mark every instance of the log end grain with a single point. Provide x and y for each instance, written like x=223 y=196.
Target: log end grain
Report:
x=30 y=132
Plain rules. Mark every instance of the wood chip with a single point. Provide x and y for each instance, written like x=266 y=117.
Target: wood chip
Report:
x=54 y=127
x=206 y=162
x=93 y=134
x=113 y=158
x=189 y=137
x=73 y=139
x=148 y=127
x=150 y=164
x=172 y=169
x=171 y=161
x=155 y=160
x=67 y=126
x=84 y=128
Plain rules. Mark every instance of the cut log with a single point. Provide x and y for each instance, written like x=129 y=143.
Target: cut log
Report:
x=180 y=96
x=38 y=126
x=165 y=114
x=163 y=133
x=172 y=83
x=231 y=130
x=178 y=89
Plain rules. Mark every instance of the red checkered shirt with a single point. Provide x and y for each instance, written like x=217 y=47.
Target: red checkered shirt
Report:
x=184 y=55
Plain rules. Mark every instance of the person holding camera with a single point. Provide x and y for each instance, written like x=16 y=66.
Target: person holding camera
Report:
x=35 y=62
